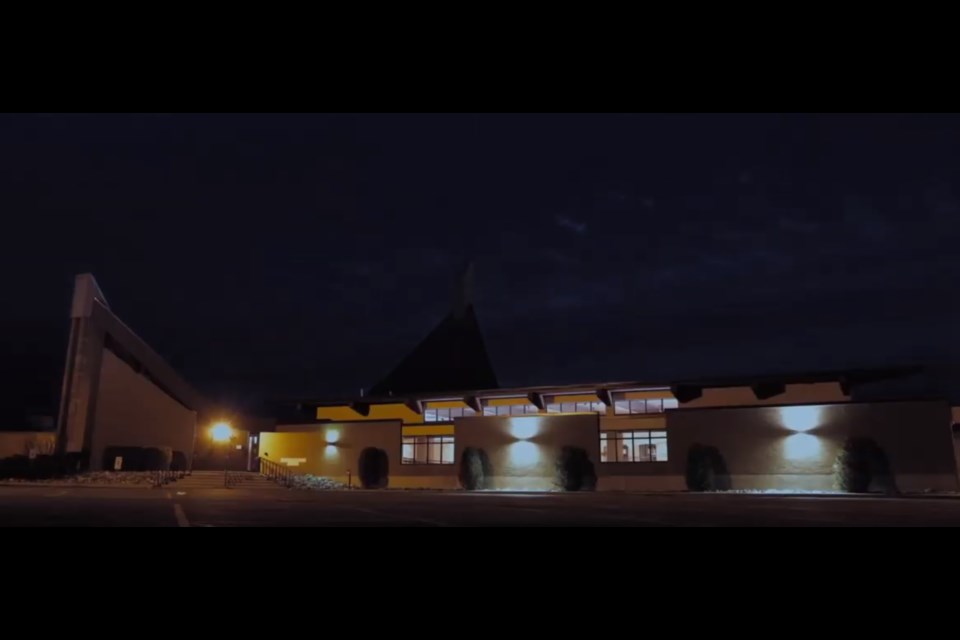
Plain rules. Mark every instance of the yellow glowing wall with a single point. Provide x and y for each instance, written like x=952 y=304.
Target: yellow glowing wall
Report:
x=507 y=402
x=579 y=397
x=447 y=404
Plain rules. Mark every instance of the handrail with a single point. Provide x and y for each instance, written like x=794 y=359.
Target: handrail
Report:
x=279 y=473
x=166 y=476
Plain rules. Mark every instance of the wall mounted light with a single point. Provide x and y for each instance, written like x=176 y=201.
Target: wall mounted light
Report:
x=801 y=446
x=524 y=428
x=800 y=419
x=524 y=453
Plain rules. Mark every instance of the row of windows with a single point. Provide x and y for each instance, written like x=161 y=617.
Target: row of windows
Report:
x=446 y=415
x=621 y=407
x=615 y=446
x=427 y=450
x=633 y=446
x=577 y=407
x=511 y=410
x=650 y=405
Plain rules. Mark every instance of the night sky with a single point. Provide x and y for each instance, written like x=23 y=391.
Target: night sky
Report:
x=304 y=255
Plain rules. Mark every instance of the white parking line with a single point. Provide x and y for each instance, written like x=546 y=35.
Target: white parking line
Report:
x=180 y=516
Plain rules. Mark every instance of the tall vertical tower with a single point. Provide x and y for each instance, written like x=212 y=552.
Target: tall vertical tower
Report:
x=453 y=357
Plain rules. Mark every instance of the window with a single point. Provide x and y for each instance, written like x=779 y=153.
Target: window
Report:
x=650 y=405
x=576 y=407
x=427 y=450
x=447 y=415
x=633 y=446
x=511 y=410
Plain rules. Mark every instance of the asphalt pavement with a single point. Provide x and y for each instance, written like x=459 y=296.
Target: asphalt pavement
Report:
x=168 y=507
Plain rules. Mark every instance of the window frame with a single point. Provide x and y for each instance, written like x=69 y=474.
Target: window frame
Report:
x=650 y=438
x=427 y=442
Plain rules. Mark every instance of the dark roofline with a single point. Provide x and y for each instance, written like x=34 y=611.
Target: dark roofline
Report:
x=852 y=377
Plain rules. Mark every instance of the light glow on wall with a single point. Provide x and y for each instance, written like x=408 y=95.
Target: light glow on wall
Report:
x=801 y=446
x=800 y=418
x=524 y=454
x=332 y=436
x=330 y=451
x=524 y=428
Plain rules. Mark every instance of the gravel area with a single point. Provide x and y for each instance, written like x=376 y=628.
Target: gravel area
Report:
x=316 y=483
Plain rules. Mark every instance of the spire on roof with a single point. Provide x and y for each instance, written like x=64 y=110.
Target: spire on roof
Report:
x=463 y=294
x=453 y=357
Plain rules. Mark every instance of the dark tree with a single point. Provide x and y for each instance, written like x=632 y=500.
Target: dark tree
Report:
x=374 y=466
x=706 y=469
x=860 y=464
x=475 y=471
x=575 y=472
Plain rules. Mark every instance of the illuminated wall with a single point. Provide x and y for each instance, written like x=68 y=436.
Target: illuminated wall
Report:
x=19 y=443
x=333 y=449
x=133 y=412
x=523 y=449
x=795 y=447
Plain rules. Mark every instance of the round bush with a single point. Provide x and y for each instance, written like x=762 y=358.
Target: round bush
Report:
x=575 y=472
x=475 y=471
x=860 y=464
x=706 y=469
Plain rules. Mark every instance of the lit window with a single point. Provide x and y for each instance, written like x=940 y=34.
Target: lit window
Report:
x=577 y=407
x=652 y=405
x=427 y=450
x=633 y=446
x=447 y=415
x=522 y=409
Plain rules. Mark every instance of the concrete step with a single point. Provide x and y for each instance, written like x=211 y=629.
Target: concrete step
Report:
x=215 y=479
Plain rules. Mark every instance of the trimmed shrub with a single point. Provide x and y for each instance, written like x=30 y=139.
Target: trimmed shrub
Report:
x=132 y=459
x=706 y=469
x=861 y=465
x=575 y=472
x=475 y=472
x=178 y=461
x=157 y=458
x=374 y=467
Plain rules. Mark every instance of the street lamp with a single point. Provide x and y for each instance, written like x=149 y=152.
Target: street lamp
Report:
x=223 y=432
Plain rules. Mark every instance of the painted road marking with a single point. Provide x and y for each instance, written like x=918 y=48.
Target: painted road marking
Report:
x=180 y=516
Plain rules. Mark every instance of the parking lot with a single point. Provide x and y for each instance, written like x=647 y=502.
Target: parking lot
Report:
x=167 y=507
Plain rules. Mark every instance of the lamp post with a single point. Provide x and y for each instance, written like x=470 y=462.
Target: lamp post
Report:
x=223 y=432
